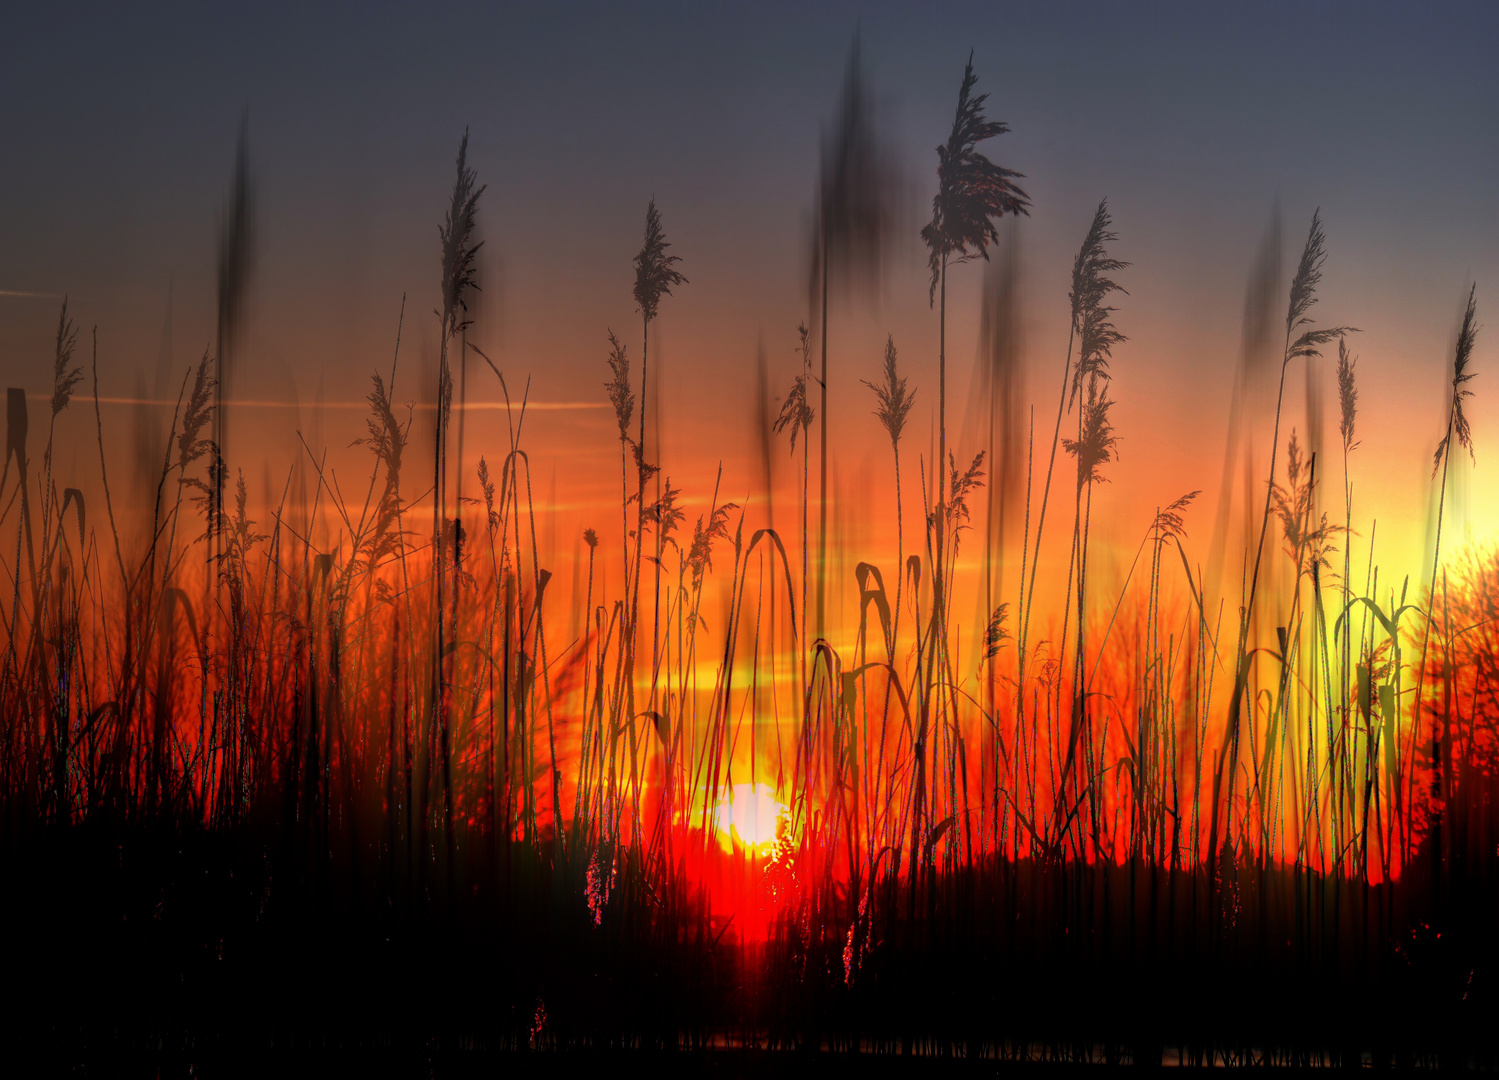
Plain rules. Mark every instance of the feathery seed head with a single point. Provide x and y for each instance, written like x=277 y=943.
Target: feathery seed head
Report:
x=1097 y=447
x=487 y=486
x=971 y=190
x=64 y=378
x=387 y=441
x=1308 y=541
x=700 y=554
x=995 y=633
x=796 y=412
x=1308 y=274
x=1461 y=376
x=895 y=400
x=190 y=446
x=961 y=486
x=1304 y=294
x=654 y=270
x=664 y=513
x=1347 y=395
x=458 y=249
x=621 y=394
x=1168 y=522
x=1090 y=315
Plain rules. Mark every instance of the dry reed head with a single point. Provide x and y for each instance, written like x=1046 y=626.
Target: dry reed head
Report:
x=654 y=269
x=199 y=415
x=1304 y=295
x=971 y=190
x=1308 y=542
x=387 y=441
x=1461 y=376
x=191 y=445
x=715 y=527
x=621 y=395
x=1169 y=522
x=1347 y=395
x=644 y=470
x=961 y=486
x=1308 y=274
x=895 y=400
x=995 y=634
x=242 y=534
x=664 y=513
x=458 y=248
x=386 y=438
x=796 y=412
x=64 y=378
x=1091 y=285
x=1098 y=444
x=486 y=485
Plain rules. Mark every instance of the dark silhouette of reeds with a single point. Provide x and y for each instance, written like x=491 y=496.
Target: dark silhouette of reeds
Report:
x=252 y=788
x=972 y=192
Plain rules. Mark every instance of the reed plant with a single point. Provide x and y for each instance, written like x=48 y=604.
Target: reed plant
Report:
x=350 y=769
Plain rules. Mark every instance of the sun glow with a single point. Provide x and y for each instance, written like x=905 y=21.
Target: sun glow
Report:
x=749 y=816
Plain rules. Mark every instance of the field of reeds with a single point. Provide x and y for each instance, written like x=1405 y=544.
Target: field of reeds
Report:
x=406 y=798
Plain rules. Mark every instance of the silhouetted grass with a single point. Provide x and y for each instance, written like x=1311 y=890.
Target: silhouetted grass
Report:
x=265 y=798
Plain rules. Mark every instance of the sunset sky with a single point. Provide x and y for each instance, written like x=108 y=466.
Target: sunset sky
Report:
x=1200 y=123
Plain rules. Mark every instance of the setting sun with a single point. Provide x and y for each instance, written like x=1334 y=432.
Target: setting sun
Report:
x=749 y=814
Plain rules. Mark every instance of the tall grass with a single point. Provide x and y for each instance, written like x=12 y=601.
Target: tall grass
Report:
x=383 y=747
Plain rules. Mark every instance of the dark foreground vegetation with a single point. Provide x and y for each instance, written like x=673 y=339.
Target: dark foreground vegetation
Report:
x=178 y=947
x=264 y=801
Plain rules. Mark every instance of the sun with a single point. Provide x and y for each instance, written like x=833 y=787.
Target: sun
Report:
x=749 y=815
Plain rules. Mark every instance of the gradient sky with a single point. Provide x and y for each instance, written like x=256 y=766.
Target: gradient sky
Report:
x=1195 y=120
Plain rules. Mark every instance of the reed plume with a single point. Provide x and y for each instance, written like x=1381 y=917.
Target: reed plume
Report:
x=960 y=486
x=621 y=393
x=459 y=269
x=1095 y=445
x=796 y=412
x=714 y=527
x=191 y=445
x=1306 y=344
x=1308 y=543
x=655 y=274
x=1171 y=522
x=1347 y=396
x=622 y=397
x=655 y=270
x=995 y=634
x=894 y=407
x=1457 y=422
x=894 y=399
x=1309 y=342
x=1091 y=286
x=972 y=192
x=387 y=442
x=459 y=249
x=65 y=377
